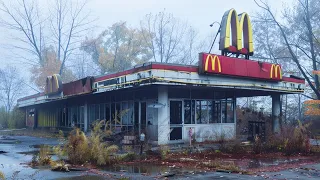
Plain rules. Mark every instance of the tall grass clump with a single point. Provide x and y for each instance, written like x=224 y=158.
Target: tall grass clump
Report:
x=2 y=177
x=100 y=152
x=79 y=148
x=44 y=155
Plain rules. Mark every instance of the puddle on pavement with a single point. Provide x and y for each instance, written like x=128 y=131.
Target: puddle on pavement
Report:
x=29 y=152
x=38 y=146
x=260 y=163
x=7 y=138
x=82 y=178
x=5 y=141
x=148 y=169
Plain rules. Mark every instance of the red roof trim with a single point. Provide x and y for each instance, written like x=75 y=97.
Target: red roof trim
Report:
x=194 y=69
x=175 y=67
x=294 y=80
x=130 y=71
x=31 y=96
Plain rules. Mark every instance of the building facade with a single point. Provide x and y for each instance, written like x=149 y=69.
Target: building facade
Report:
x=170 y=103
x=165 y=101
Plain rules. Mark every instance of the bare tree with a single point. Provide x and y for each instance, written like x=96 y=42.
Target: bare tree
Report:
x=166 y=36
x=23 y=17
x=298 y=37
x=65 y=26
x=69 y=22
x=84 y=66
x=11 y=87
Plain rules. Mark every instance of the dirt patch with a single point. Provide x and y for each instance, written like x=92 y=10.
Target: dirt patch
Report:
x=3 y=152
x=237 y=163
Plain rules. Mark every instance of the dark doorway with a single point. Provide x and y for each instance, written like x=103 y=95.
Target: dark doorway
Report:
x=175 y=120
x=136 y=116
x=143 y=116
x=256 y=129
x=140 y=116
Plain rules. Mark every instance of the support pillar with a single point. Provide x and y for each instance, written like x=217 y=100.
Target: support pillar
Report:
x=276 y=113
x=235 y=115
x=85 y=117
x=163 y=116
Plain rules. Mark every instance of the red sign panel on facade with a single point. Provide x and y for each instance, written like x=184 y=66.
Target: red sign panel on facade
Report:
x=224 y=65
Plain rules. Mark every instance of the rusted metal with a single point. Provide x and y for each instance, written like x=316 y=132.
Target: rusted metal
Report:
x=81 y=86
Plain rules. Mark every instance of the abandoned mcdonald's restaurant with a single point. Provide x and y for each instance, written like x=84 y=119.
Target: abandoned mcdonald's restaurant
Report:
x=165 y=101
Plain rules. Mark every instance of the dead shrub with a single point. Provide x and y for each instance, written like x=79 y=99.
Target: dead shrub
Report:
x=292 y=140
x=164 y=151
x=233 y=147
x=257 y=145
x=79 y=148
x=2 y=177
x=222 y=165
x=100 y=152
x=221 y=139
x=44 y=155
x=128 y=157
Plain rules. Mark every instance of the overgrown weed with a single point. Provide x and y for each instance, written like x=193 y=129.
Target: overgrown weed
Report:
x=2 y=177
x=80 y=149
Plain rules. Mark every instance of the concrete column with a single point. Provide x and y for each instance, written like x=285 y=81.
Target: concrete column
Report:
x=163 y=116
x=86 y=117
x=276 y=113
x=235 y=115
x=26 y=116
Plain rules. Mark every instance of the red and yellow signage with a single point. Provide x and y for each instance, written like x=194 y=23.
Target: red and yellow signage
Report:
x=275 y=71
x=215 y=64
x=224 y=65
x=238 y=29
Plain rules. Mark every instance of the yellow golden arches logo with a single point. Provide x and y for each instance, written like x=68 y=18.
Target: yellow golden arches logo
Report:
x=53 y=84
x=49 y=84
x=238 y=29
x=275 y=68
x=56 y=81
x=213 y=63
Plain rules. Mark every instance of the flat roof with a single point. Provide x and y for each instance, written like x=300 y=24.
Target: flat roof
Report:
x=177 y=74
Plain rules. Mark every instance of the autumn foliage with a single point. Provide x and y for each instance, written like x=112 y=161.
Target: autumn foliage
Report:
x=50 y=65
x=312 y=107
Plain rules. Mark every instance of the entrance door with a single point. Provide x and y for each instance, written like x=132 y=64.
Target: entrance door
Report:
x=175 y=120
x=140 y=116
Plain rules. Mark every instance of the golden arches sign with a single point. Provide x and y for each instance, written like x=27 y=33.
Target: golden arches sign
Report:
x=275 y=68
x=53 y=84
x=238 y=29
x=213 y=60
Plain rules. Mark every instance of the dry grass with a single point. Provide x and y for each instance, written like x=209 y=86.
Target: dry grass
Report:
x=222 y=165
x=79 y=148
x=2 y=177
x=44 y=155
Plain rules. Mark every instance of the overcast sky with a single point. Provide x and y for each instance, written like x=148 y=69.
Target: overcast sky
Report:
x=199 y=14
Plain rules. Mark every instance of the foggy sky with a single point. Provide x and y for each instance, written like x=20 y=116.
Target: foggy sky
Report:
x=199 y=14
